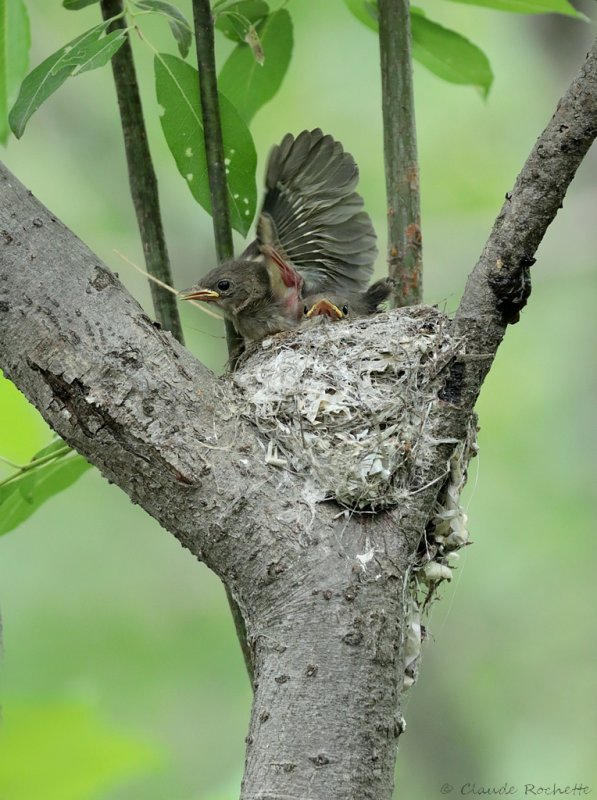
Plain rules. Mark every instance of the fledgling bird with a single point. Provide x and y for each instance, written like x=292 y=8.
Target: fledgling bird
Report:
x=335 y=305
x=312 y=236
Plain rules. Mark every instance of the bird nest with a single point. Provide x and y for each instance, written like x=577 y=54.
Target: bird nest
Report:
x=347 y=405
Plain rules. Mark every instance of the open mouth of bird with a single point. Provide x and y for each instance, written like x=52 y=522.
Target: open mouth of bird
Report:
x=324 y=308
x=207 y=295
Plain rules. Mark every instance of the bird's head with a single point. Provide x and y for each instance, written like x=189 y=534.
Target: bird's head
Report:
x=233 y=286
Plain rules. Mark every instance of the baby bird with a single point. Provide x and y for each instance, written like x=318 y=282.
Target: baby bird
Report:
x=312 y=236
x=337 y=306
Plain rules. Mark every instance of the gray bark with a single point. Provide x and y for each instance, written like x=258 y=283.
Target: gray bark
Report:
x=323 y=590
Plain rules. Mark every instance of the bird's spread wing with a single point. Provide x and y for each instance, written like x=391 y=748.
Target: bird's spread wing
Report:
x=313 y=217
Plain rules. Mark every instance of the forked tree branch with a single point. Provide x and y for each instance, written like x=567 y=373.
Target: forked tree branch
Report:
x=142 y=179
x=323 y=591
x=400 y=152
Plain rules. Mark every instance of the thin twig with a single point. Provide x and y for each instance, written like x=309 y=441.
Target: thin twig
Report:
x=214 y=146
x=200 y=306
x=142 y=179
x=498 y=287
x=400 y=152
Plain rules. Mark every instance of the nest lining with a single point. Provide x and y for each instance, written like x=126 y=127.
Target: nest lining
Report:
x=346 y=404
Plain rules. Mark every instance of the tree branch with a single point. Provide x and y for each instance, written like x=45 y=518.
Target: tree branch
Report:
x=400 y=152
x=498 y=287
x=322 y=591
x=142 y=179
x=214 y=146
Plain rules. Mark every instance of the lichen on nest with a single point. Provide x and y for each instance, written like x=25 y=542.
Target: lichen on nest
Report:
x=346 y=404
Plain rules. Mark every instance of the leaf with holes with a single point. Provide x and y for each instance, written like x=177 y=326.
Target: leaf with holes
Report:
x=246 y=83
x=14 y=56
x=177 y=89
x=179 y=25
x=90 y=50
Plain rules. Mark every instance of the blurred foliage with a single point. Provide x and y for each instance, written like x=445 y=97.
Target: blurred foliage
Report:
x=102 y=609
x=65 y=752
x=51 y=470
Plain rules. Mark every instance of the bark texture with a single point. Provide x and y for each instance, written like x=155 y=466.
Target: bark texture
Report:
x=405 y=263
x=322 y=590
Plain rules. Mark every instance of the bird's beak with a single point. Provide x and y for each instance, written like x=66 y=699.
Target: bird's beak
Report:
x=323 y=308
x=196 y=293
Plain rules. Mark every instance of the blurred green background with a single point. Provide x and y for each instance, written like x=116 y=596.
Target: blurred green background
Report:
x=121 y=675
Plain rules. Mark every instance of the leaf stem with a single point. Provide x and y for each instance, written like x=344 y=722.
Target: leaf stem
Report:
x=142 y=179
x=400 y=152
x=34 y=463
x=214 y=146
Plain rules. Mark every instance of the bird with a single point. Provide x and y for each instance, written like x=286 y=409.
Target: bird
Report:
x=312 y=236
x=337 y=305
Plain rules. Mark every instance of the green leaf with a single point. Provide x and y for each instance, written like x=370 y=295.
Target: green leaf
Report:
x=449 y=55
x=75 y=5
x=177 y=89
x=179 y=25
x=235 y=19
x=365 y=11
x=246 y=83
x=528 y=6
x=20 y=498
x=78 y=755
x=15 y=40
x=90 y=50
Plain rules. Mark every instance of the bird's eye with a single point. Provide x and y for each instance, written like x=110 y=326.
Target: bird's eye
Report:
x=223 y=286
x=345 y=310
x=305 y=309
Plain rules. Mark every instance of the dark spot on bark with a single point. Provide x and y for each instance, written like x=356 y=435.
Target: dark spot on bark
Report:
x=311 y=671
x=511 y=287
x=353 y=638
x=327 y=595
x=264 y=716
x=78 y=312
x=102 y=279
x=38 y=223
x=320 y=760
x=130 y=357
x=452 y=389
x=7 y=237
x=157 y=325
x=350 y=593
x=288 y=767
x=280 y=679
x=4 y=306
x=274 y=568
x=248 y=739
x=527 y=261
x=147 y=407
x=508 y=196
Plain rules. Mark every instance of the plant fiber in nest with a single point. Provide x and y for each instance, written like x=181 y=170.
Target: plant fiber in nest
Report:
x=347 y=405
